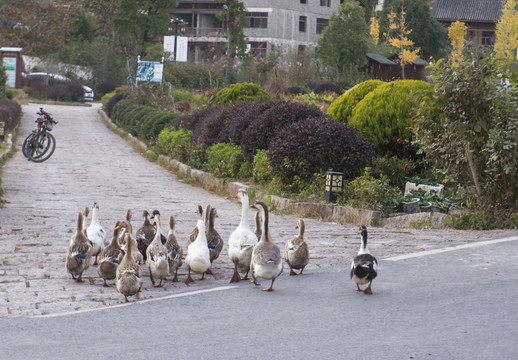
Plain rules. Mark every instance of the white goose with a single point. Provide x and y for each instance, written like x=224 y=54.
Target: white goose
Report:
x=241 y=242
x=198 y=255
x=364 y=265
x=95 y=233
x=266 y=260
x=156 y=254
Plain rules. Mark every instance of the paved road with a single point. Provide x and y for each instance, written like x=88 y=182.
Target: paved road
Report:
x=448 y=306
x=92 y=164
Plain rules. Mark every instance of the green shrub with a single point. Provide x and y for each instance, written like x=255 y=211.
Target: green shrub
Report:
x=342 y=108
x=398 y=170
x=384 y=117
x=225 y=160
x=367 y=192
x=262 y=172
x=240 y=92
x=174 y=143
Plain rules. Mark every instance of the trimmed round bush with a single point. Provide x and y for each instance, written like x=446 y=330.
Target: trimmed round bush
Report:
x=240 y=92
x=316 y=145
x=383 y=116
x=273 y=119
x=342 y=108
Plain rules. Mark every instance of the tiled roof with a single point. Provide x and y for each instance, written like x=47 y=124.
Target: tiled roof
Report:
x=467 y=10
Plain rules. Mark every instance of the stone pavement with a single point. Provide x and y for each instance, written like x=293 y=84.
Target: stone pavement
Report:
x=92 y=164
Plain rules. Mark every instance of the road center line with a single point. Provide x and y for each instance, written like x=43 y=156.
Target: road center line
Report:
x=138 y=302
x=453 y=248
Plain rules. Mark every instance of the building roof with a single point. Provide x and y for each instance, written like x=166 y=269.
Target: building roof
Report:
x=380 y=59
x=467 y=10
x=383 y=60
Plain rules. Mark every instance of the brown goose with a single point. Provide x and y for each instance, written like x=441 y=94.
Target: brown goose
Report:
x=174 y=250
x=128 y=279
x=156 y=254
x=135 y=253
x=296 y=252
x=364 y=265
x=79 y=252
x=214 y=240
x=129 y=215
x=266 y=260
x=144 y=234
x=110 y=257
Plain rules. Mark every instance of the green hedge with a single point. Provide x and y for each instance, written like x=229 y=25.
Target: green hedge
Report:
x=142 y=121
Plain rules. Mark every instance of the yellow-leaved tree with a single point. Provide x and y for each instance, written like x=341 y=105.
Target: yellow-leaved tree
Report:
x=374 y=30
x=406 y=51
x=507 y=32
x=457 y=34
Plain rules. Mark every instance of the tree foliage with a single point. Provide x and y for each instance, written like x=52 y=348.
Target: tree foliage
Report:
x=467 y=125
x=457 y=34
x=427 y=34
x=507 y=32
x=344 y=42
x=39 y=27
x=143 y=20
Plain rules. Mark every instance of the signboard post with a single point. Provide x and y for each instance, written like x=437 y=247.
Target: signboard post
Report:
x=11 y=59
x=150 y=70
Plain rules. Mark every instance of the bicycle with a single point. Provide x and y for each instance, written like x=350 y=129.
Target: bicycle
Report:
x=39 y=145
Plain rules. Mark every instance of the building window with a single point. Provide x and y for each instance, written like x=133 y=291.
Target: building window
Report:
x=302 y=23
x=303 y=1
x=321 y=24
x=257 y=19
x=325 y=3
x=488 y=38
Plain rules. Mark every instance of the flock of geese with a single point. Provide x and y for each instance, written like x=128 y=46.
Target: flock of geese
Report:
x=252 y=252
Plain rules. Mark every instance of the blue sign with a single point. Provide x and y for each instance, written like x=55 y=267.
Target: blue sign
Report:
x=150 y=71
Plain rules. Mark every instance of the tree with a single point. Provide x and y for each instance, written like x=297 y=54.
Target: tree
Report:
x=407 y=53
x=143 y=20
x=457 y=34
x=467 y=125
x=427 y=34
x=507 y=32
x=344 y=42
x=40 y=28
x=236 y=21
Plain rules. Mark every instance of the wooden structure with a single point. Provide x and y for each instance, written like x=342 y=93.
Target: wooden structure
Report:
x=387 y=69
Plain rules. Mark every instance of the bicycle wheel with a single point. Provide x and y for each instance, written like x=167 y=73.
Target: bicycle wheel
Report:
x=43 y=147
x=27 y=143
